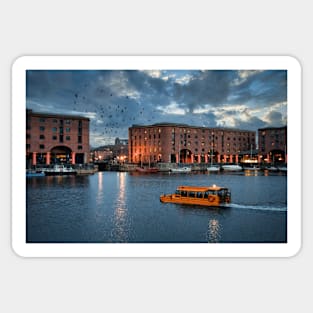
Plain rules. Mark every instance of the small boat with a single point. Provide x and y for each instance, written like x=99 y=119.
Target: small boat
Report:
x=58 y=170
x=205 y=196
x=232 y=167
x=184 y=169
x=147 y=169
x=32 y=173
x=252 y=168
x=213 y=168
x=272 y=169
x=282 y=168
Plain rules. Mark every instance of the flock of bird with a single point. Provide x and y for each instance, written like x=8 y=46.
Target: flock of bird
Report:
x=112 y=117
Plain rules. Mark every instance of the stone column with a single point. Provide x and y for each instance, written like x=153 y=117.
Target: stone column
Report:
x=231 y=158
x=236 y=158
x=48 y=158
x=34 y=161
x=218 y=158
x=177 y=158
x=73 y=157
x=199 y=158
x=206 y=158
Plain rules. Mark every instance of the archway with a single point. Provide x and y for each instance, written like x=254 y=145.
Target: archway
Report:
x=277 y=156
x=185 y=156
x=61 y=155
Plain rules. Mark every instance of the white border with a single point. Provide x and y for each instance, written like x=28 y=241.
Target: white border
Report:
x=288 y=249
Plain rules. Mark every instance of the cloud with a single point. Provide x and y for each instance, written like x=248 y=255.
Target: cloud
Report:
x=114 y=100
x=206 y=87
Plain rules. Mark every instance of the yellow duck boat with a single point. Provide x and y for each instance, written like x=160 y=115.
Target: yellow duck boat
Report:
x=206 y=196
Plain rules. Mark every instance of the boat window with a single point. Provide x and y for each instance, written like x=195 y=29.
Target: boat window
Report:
x=192 y=194
x=223 y=192
x=206 y=194
x=184 y=193
x=199 y=195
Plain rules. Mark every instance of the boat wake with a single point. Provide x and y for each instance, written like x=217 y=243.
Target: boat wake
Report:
x=257 y=207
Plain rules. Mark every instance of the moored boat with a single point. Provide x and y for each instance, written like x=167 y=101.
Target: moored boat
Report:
x=271 y=168
x=60 y=170
x=184 y=169
x=33 y=173
x=147 y=169
x=213 y=168
x=232 y=167
x=282 y=168
x=205 y=196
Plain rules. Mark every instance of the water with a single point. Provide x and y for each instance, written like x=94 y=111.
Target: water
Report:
x=124 y=207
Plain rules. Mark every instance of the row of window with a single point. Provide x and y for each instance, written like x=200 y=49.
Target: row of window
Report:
x=188 y=131
x=41 y=146
x=138 y=151
x=55 y=121
x=210 y=138
x=188 y=143
x=55 y=129
x=54 y=137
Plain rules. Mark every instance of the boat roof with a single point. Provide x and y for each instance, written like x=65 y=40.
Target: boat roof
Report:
x=200 y=188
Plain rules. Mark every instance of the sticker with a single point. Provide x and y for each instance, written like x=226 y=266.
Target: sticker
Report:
x=156 y=156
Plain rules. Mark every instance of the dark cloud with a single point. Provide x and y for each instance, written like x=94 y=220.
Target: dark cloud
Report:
x=117 y=99
x=264 y=88
x=206 y=87
x=275 y=118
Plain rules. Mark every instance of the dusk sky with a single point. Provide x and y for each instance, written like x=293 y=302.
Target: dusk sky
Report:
x=115 y=100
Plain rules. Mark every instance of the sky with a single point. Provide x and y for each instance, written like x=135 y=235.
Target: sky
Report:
x=114 y=100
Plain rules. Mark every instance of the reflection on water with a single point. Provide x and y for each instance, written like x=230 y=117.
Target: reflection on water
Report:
x=251 y=172
x=122 y=207
x=214 y=230
x=100 y=188
x=121 y=223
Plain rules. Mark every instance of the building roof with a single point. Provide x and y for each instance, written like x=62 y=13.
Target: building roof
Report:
x=272 y=128
x=53 y=115
x=189 y=126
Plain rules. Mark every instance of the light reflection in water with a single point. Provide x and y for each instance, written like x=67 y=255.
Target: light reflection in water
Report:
x=214 y=230
x=121 y=227
x=251 y=172
x=100 y=188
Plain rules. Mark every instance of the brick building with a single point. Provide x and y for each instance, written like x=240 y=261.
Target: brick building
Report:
x=54 y=138
x=273 y=144
x=179 y=143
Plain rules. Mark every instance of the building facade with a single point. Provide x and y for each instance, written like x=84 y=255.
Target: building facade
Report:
x=54 y=138
x=273 y=144
x=179 y=143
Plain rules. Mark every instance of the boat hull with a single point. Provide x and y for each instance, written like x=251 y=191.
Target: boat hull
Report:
x=147 y=170
x=211 y=201
x=181 y=170
x=35 y=174
x=213 y=169
x=231 y=168
x=61 y=173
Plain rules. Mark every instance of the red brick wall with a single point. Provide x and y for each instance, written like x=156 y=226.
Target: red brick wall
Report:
x=158 y=142
x=43 y=132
